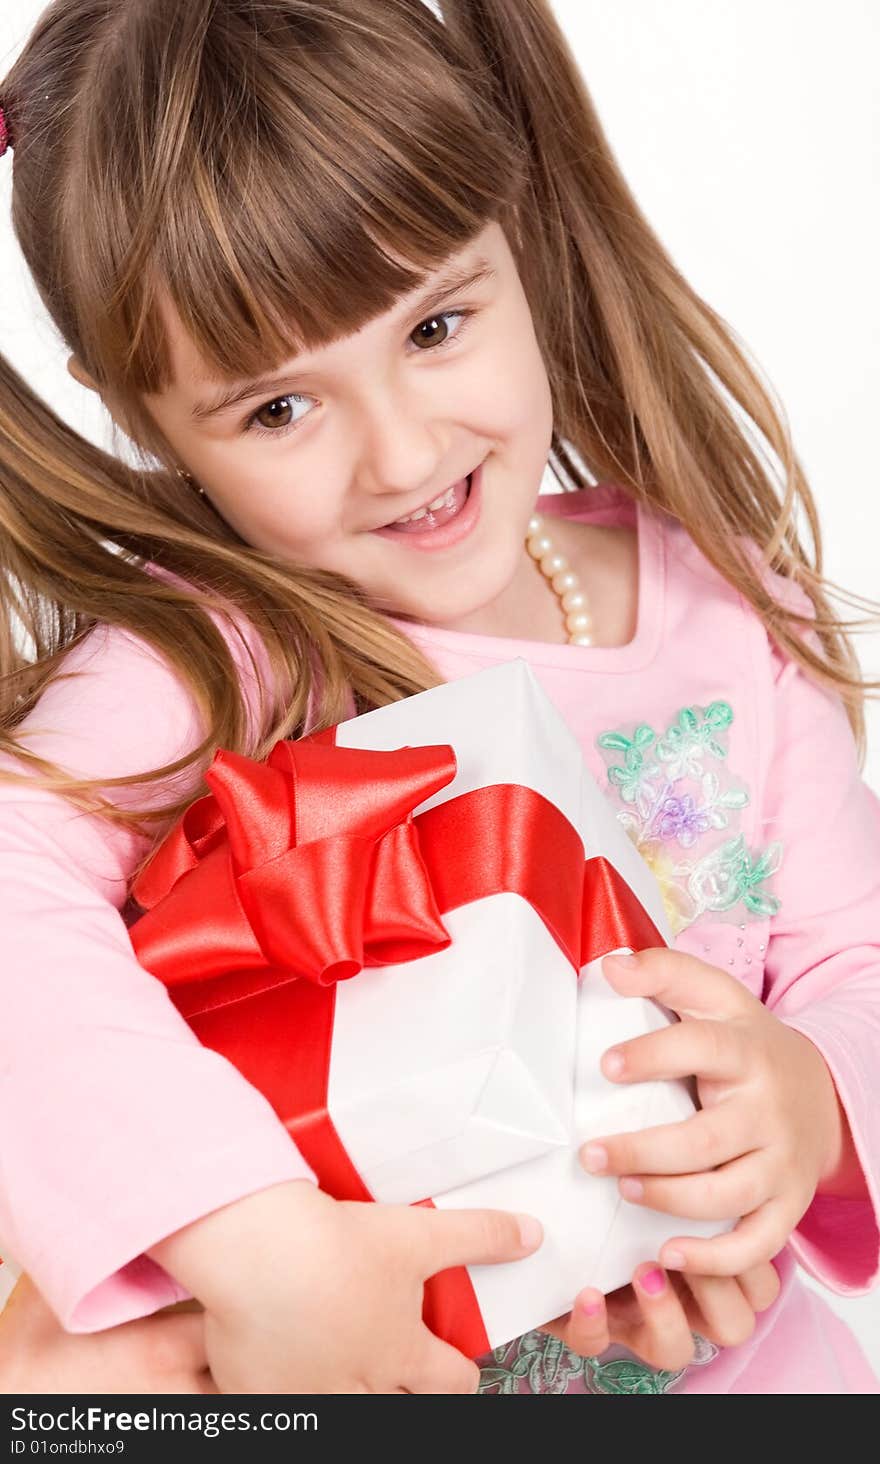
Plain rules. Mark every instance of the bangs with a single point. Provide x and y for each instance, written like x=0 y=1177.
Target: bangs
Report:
x=307 y=166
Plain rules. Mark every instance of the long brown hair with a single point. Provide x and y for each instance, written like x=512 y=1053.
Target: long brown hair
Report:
x=273 y=161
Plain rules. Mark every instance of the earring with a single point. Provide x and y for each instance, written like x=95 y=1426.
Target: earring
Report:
x=188 y=478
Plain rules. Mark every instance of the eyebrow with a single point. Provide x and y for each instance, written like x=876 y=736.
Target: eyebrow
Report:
x=452 y=282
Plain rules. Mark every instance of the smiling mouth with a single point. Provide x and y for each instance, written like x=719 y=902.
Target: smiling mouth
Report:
x=439 y=511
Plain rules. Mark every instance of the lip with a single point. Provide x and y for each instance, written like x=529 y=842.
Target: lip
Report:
x=417 y=507
x=448 y=534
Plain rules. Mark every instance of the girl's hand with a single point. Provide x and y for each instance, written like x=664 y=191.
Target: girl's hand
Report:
x=306 y=1294
x=656 y=1315
x=770 y=1130
x=157 y=1354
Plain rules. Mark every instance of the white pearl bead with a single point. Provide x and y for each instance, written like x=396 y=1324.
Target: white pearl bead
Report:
x=567 y=580
x=554 y=567
x=538 y=545
x=579 y=620
x=553 y=564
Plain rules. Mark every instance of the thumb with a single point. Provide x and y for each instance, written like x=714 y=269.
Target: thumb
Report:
x=474 y=1237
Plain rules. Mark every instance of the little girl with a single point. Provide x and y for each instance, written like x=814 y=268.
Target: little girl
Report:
x=348 y=276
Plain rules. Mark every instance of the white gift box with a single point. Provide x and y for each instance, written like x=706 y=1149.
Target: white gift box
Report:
x=472 y=1075
x=449 y=1067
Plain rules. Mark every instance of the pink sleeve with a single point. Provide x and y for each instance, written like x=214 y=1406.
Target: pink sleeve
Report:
x=822 y=974
x=117 y=1127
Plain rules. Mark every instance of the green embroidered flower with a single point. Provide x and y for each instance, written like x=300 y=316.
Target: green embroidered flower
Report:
x=539 y=1359
x=630 y=1377
x=693 y=735
x=673 y=799
x=727 y=875
x=635 y=776
x=641 y=739
x=546 y=1365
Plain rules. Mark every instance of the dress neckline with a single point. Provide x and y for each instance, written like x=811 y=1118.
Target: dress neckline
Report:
x=604 y=500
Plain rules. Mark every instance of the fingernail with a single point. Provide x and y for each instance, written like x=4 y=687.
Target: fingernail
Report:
x=626 y=962
x=531 y=1232
x=632 y=1189
x=673 y=1260
x=612 y=1063
x=595 y=1158
x=653 y=1282
x=592 y=1308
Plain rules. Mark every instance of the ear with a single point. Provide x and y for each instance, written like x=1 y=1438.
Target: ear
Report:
x=79 y=373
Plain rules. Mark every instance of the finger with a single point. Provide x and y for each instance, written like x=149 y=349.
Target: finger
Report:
x=584 y=1330
x=722 y=1312
x=472 y=1237
x=752 y=1240
x=440 y=1368
x=205 y=1383
x=725 y=1193
x=682 y=982
x=709 y=1137
x=702 y=1049
x=760 y=1285
x=663 y=1337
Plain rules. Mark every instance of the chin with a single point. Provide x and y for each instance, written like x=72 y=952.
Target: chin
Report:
x=459 y=604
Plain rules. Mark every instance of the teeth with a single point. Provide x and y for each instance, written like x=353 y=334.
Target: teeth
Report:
x=444 y=498
x=444 y=501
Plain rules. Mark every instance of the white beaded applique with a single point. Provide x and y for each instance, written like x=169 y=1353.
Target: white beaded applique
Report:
x=678 y=795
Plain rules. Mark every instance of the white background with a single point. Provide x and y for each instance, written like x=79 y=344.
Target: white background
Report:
x=750 y=133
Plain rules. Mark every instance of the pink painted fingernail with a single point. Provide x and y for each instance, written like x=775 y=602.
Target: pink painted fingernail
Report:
x=595 y=1158
x=591 y=1308
x=653 y=1282
x=631 y=1189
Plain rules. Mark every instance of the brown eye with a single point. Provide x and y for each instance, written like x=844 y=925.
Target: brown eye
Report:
x=427 y=332
x=275 y=419
x=274 y=414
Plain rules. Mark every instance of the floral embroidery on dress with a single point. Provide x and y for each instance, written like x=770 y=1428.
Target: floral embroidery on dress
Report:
x=677 y=793
x=546 y=1365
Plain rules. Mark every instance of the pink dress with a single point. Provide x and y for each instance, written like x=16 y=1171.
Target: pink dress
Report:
x=747 y=801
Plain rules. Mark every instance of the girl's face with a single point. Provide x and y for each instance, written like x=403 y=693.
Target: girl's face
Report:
x=374 y=427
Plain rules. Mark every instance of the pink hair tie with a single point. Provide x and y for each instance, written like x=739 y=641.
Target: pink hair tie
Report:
x=5 y=132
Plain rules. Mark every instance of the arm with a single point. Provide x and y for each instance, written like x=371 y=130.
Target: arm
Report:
x=822 y=974
x=117 y=1128
x=135 y=1151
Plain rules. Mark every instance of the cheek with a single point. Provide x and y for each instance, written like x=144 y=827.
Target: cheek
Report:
x=273 y=509
x=507 y=396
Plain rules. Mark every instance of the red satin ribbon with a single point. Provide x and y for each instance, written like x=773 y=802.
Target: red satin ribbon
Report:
x=299 y=872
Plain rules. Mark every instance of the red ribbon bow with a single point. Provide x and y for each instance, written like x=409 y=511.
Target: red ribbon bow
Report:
x=296 y=873
x=307 y=865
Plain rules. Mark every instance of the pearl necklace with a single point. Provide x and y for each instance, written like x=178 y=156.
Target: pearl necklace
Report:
x=563 y=580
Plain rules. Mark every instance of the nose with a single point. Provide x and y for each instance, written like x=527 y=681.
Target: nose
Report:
x=402 y=448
